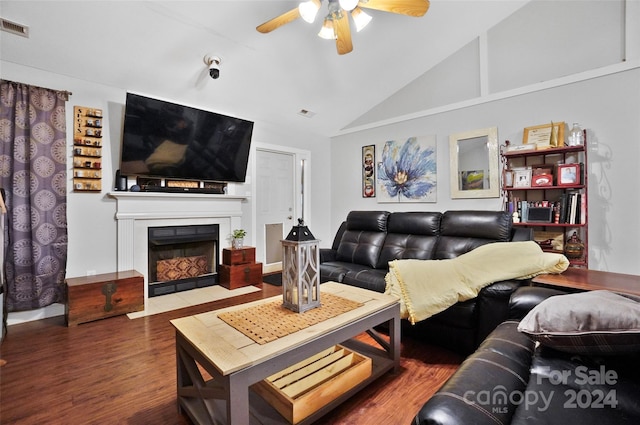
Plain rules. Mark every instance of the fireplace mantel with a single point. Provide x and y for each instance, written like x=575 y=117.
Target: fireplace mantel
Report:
x=137 y=211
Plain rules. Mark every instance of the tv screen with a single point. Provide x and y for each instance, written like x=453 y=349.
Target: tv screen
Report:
x=166 y=140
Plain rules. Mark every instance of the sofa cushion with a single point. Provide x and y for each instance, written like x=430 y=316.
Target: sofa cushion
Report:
x=410 y=235
x=463 y=231
x=332 y=271
x=374 y=221
x=595 y=322
x=576 y=389
x=365 y=277
x=362 y=241
x=360 y=247
x=462 y=314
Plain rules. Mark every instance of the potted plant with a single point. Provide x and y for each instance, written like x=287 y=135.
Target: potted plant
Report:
x=238 y=238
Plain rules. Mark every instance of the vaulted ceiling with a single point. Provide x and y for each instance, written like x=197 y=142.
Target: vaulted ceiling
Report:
x=156 y=48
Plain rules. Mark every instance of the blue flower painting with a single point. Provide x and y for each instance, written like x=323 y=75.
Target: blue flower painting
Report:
x=407 y=171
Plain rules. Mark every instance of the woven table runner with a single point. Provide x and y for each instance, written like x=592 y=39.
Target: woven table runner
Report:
x=268 y=322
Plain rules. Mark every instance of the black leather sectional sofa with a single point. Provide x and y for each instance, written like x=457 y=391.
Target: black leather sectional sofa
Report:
x=367 y=240
x=512 y=380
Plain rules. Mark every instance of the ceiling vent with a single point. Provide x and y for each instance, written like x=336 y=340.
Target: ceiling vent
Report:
x=14 y=28
x=306 y=113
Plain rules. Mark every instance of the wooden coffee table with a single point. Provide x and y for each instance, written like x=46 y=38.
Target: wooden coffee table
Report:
x=235 y=362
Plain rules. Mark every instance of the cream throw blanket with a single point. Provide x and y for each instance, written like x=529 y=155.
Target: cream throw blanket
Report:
x=427 y=287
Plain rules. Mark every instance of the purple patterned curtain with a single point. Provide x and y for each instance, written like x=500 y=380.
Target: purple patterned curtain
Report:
x=33 y=172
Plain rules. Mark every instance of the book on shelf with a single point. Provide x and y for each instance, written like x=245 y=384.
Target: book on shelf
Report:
x=570 y=208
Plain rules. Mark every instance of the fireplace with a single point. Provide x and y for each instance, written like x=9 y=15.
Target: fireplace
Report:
x=182 y=258
x=136 y=212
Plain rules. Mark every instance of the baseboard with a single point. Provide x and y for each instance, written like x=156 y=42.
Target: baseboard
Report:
x=17 y=317
x=271 y=268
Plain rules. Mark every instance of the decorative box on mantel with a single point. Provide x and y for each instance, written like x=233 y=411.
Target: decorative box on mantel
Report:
x=300 y=269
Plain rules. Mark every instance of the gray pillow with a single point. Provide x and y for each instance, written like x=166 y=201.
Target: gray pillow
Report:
x=594 y=322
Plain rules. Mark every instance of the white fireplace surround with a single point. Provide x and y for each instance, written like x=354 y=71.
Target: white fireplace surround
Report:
x=137 y=211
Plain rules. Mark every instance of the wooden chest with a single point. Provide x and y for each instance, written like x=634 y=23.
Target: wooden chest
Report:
x=231 y=257
x=103 y=295
x=232 y=277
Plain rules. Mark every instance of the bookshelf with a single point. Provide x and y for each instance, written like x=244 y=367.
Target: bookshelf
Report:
x=548 y=190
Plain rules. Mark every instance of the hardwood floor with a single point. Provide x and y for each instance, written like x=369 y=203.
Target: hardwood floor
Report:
x=122 y=371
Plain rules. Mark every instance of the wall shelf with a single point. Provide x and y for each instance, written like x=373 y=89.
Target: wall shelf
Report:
x=87 y=149
x=556 y=225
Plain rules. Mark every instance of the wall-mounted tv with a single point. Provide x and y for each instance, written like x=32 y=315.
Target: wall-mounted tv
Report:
x=167 y=140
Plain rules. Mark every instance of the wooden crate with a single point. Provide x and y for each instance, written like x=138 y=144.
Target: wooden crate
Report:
x=103 y=295
x=305 y=387
x=232 y=277
x=232 y=257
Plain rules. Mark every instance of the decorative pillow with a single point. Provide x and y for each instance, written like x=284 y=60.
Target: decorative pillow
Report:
x=595 y=322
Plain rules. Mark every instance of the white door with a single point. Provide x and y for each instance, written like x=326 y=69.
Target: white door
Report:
x=275 y=205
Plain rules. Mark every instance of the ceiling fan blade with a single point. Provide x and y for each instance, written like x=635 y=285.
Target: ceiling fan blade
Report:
x=279 y=21
x=343 y=34
x=403 y=7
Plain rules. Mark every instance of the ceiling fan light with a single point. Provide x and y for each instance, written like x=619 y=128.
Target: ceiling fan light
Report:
x=360 y=18
x=309 y=9
x=327 y=31
x=348 y=5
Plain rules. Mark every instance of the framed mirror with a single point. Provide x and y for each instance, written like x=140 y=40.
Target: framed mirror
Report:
x=474 y=164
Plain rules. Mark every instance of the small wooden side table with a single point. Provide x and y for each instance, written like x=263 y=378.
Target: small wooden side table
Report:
x=239 y=268
x=590 y=280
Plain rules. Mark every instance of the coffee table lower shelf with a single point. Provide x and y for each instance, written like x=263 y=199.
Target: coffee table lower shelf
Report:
x=210 y=397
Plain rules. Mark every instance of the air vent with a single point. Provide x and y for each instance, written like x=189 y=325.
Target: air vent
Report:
x=14 y=28
x=306 y=113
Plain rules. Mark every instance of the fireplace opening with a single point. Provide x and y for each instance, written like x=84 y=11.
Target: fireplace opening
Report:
x=182 y=258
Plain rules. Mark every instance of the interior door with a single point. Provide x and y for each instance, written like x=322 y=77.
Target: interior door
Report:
x=275 y=205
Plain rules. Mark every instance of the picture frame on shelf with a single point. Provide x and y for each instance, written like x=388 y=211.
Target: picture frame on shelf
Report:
x=551 y=135
x=522 y=178
x=507 y=178
x=542 y=180
x=568 y=175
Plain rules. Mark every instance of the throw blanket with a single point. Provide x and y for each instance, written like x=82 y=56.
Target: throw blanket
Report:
x=427 y=287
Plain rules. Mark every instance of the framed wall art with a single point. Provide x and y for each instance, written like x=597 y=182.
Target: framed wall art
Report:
x=369 y=171
x=474 y=171
x=406 y=171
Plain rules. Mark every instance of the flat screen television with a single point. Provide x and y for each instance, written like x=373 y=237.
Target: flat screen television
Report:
x=167 y=140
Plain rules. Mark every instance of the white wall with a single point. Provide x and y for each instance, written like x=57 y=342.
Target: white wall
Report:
x=607 y=106
x=572 y=61
x=91 y=216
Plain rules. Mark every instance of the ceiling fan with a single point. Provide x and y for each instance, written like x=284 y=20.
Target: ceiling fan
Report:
x=336 y=24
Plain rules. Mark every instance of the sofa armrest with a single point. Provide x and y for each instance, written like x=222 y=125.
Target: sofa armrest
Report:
x=338 y=237
x=327 y=254
x=493 y=306
x=527 y=297
x=500 y=365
